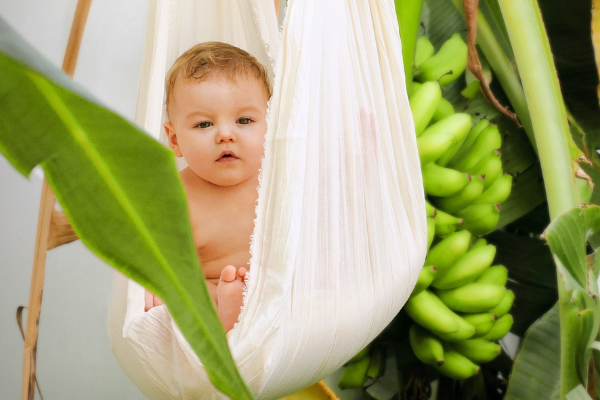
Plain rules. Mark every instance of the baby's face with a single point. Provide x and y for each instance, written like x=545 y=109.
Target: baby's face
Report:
x=219 y=127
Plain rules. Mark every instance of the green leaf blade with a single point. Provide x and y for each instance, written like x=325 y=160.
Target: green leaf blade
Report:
x=123 y=196
x=536 y=372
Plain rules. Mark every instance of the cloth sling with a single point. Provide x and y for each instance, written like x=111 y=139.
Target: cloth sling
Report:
x=340 y=232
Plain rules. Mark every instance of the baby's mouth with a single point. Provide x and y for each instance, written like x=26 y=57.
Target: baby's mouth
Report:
x=227 y=156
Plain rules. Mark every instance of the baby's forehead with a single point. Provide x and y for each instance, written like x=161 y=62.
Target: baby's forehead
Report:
x=216 y=76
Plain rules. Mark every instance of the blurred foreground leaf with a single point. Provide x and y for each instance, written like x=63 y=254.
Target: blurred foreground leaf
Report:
x=119 y=188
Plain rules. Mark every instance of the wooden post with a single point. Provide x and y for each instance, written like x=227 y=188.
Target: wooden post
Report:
x=35 y=292
x=44 y=232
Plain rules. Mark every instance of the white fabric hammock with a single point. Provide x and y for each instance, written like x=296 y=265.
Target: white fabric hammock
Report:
x=340 y=233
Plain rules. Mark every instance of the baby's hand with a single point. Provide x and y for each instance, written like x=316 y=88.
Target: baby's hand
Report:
x=151 y=300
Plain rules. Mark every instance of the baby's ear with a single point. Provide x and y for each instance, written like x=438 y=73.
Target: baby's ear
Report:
x=172 y=138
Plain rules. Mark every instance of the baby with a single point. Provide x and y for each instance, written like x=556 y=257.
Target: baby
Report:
x=216 y=106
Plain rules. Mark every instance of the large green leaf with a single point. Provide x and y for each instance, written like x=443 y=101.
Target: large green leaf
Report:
x=536 y=372
x=119 y=188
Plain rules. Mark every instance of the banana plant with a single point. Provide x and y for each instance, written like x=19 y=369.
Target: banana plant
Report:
x=553 y=161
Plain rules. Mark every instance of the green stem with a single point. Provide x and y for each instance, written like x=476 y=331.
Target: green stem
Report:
x=546 y=107
x=544 y=100
x=409 y=18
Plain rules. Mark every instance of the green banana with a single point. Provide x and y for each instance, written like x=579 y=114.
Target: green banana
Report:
x=355 y=374
x=414 y=87
x=505 y=305
x=444 y=109
x=483 y=322
x=427 y=310
x=465 y=331
x=496 y=275
x=425 y=278
x=444 y=253
x=498 y=191
x=457 y=152
x=423 y=103
x=470 y=193
x=429 y=209
x=441 y=181
x=472 y=297
x=445 y=223
x=377 y=362
x=430 y=231
x=466 y=269
x=478 y=350
x=442 y=135
x=480 y=218
x=457 y=123
x=478 y=243
x=431 y=147
x=500 y=329
x=447 y=64
x=426 y=346
x=361 y=354
x=457 y=366
x=487 y=141
x=471 y=90
x=423 y=50
x=490 y=166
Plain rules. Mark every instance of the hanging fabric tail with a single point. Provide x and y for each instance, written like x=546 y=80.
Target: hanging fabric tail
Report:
x=340 y=233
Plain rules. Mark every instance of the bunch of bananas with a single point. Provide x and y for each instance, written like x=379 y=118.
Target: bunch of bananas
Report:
x=461 y=164
x=460 y=304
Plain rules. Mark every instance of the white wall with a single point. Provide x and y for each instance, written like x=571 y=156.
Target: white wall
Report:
x=74 y=357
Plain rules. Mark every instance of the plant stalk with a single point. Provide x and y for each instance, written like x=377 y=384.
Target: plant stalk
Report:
x=549 y=120
x=408 y=13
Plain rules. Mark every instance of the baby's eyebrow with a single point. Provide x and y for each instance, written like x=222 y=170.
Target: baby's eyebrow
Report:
x=249 y=109
x=195 y=114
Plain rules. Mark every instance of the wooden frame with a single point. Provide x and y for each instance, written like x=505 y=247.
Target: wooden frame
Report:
x=53 y=228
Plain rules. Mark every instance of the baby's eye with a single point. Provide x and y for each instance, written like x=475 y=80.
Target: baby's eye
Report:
x=204 y=125
x=244 y=121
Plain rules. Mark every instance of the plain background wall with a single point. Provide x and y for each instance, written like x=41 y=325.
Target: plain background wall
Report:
x=74 y=357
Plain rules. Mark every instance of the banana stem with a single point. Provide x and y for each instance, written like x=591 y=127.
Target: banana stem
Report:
x=408 y=13
x=546 y=107
x=500 y=64
x=540 y=82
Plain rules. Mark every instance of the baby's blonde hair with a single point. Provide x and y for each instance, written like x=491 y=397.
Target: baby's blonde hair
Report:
x=210 y=59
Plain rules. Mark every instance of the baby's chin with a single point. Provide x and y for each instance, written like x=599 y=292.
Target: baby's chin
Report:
x=234 y=181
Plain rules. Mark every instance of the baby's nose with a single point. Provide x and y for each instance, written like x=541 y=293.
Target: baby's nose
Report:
x=225 y=134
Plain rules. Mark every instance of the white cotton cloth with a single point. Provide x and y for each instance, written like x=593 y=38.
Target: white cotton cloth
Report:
x=340 y=231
